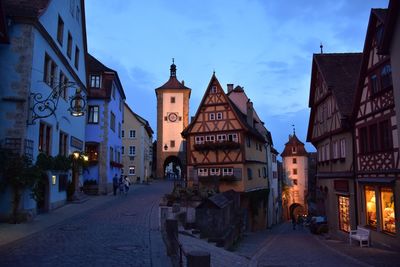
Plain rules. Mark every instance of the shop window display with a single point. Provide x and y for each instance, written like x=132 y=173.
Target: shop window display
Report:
x=388 y=216
x=344 y=213
x=370 y=199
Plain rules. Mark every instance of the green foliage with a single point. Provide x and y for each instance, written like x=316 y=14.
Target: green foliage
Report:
x=45 y=162
x=18 y=173
x=62 y=163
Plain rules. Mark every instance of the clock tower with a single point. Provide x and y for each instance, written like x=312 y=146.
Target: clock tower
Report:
x=172 y=118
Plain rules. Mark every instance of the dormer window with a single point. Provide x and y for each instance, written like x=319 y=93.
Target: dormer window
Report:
x=294 y=150
x=95 y=81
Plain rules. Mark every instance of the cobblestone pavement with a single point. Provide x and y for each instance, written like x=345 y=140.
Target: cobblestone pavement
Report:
x=120 y=232
x=283 y=246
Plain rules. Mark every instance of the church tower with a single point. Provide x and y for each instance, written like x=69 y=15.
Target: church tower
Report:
x=295 y=165
x=172 y=118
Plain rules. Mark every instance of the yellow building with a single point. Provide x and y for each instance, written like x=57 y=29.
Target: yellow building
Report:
x=137 y=150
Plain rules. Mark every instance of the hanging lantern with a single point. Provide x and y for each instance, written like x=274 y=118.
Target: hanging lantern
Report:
x=77 y=104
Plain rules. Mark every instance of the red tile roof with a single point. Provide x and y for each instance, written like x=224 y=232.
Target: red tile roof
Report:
x=294 y=142
x=173 y=83
x=340 y=71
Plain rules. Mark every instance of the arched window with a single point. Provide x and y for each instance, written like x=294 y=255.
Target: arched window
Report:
x=386 y=76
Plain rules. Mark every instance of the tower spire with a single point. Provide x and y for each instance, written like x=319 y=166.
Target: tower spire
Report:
x=173 y=68
x=294 y=130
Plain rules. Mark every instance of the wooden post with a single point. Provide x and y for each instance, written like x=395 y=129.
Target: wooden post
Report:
x=171 y=227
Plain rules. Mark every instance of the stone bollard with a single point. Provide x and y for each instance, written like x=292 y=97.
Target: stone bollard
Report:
x=198 y=258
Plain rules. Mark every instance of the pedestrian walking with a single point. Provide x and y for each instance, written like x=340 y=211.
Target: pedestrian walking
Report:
x=115 y=184
x=294 y=222
x=121 y=185
x=126 y=184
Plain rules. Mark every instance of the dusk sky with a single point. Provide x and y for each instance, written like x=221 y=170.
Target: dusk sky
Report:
x=266 y=46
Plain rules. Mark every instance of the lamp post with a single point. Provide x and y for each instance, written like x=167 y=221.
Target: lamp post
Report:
x=43 y=107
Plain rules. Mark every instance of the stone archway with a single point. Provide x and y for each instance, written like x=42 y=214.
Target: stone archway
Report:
x=173 y=168
x=43 y=202
x=295 y=210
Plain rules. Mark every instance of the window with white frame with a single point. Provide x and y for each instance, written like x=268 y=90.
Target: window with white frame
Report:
x=343 y=148
x=122 y=133
x=213 y=89
x=199 y=140
x=132 y=170
x=219 y=115
x=210 y=138
x=202 y=172
x=214 y=171
x=122 y=150
x=132 y=150
x=328 y=155
x=221 y=137
x=227 y=171
x=211 y=116
x=132 y=134
x=233 y=137
x=95 y=81
x=335 y=149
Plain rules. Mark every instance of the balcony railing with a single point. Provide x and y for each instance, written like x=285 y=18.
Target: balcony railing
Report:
x=217 y=145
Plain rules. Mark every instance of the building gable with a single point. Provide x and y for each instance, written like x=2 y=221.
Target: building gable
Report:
x=215 y=112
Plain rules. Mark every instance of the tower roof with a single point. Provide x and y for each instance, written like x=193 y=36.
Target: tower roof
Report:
x=173 y=82
x=294 y=147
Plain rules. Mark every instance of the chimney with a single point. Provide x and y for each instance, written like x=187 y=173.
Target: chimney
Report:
x=230 y=87
x=249 y=114
x=183 y=82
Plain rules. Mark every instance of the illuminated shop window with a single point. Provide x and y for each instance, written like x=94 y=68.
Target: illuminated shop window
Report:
x=344 y=213
x=388 y=217
x=370 y=200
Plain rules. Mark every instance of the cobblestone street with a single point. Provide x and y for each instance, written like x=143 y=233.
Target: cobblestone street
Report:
x=120 y=232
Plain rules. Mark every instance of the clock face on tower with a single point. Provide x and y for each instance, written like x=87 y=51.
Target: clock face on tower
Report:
x=172 y=117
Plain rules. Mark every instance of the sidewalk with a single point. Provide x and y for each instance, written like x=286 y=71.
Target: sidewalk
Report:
x=12 y=232
x=253 y=243
x=369 y=256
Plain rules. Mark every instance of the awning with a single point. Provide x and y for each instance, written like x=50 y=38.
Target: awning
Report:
x=377 y=180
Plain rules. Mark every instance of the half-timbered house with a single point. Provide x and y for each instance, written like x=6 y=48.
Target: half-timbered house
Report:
x=225 y=151
x=333 y=82
x=376 y=139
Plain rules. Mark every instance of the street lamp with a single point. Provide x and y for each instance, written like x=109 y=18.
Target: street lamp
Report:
x=42 y=107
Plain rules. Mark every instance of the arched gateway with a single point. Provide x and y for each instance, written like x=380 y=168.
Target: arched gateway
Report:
x=172 y=118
